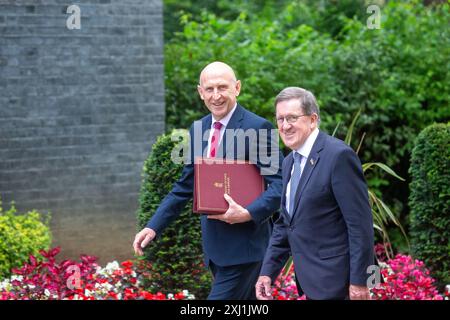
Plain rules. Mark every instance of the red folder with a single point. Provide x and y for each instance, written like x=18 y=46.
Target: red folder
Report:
x=215 y=177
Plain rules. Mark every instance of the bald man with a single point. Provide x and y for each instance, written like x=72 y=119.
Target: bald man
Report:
x=234 y=243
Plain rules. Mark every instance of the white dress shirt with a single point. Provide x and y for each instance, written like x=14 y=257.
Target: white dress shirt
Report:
x=224 y=121
x=304 y=150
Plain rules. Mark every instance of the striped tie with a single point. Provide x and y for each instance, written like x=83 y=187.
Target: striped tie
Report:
x=215 y=139
x=295 y=180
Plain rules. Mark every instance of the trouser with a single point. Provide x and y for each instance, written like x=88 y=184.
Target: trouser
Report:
x=301 y=292
x=235 y=282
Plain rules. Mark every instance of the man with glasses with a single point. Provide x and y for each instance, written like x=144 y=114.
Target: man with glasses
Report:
x=325 y=220
x=234 y=243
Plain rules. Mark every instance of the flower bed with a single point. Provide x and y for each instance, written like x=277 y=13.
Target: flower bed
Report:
x=85 y=280
x=45 y=279
x=285 y=287
x=405 y=279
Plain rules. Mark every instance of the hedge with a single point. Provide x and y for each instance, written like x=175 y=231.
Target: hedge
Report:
x=176 y=255
x=430 y=200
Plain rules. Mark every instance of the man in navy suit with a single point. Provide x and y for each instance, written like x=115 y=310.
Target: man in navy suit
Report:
x=326 y=220
x=234 y=243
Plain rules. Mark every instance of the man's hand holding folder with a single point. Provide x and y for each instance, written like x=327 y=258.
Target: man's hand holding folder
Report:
x=223 y=188
x=234 y=214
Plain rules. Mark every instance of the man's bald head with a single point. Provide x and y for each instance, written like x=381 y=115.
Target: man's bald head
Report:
x=218 y=88
x=218 y=68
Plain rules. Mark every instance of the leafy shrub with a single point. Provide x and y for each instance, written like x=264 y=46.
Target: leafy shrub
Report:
x=430 y=200
x=176 y=255
x=20 y=236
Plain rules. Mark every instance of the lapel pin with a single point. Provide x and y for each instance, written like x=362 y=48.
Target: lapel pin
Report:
x=312 y=161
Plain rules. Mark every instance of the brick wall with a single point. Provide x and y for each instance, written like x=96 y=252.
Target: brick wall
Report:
x=79 y=111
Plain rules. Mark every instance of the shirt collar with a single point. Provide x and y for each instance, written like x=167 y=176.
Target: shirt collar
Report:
x=224 y=121
x=306 y=148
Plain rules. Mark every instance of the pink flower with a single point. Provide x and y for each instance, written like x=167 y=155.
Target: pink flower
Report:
x=405 y=279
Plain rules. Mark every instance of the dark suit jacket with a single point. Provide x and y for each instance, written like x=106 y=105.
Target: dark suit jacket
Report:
x=223 y=243
x=330 y=233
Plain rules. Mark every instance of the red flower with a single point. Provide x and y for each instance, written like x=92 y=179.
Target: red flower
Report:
x=146 y=295
x=127 y=264
x=179 y=296
x=111 y=295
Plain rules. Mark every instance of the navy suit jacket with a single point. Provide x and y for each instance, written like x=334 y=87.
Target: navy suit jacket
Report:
x=330 y=234
x=223 y=243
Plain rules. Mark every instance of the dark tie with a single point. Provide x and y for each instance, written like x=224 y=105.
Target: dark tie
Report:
x=295 y=179
x=215 y=139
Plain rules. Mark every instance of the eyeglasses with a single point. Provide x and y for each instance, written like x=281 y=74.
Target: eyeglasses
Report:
x=289 y=119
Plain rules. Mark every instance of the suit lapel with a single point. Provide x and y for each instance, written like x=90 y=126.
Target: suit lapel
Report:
x=311 y=164
x=286 y=173
x=206 y=125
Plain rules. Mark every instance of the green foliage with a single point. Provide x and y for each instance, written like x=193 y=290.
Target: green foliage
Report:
x=388 y=72
x=20 y=236
x=382 y=214
x=430 y=200
x=264 y=54
x=325 y=16
x=176 y=255
x=174 y=10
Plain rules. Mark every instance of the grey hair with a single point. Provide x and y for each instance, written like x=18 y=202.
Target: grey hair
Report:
x=308 y=101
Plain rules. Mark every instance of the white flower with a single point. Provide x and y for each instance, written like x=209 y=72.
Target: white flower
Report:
x=188 y=295
x=170 y=296
x=106 y=287
x=17 y=277
x=5 y=285
x=47 y=293
x=112 y=266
